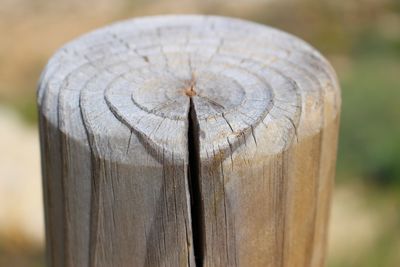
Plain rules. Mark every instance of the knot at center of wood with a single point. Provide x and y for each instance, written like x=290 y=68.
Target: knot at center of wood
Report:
x=190 y=89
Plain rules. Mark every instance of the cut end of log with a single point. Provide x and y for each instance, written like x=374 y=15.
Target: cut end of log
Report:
x=242 y=77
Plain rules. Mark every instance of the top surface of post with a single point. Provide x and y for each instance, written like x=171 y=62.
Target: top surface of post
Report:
x=143 y=74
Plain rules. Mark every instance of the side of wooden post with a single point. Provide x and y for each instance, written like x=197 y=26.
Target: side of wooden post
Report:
x=188 y=141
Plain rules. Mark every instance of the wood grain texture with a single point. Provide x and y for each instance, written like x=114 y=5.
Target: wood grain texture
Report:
x=188 y=141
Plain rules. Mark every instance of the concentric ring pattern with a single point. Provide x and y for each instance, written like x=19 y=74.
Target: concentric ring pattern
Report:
x=247 y=80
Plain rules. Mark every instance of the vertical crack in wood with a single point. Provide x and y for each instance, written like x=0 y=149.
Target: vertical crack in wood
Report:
x=196 y=208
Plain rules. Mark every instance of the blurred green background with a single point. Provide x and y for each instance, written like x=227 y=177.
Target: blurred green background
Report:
x=361 y=39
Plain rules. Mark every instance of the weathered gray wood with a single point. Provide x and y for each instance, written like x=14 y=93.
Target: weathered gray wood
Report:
x=187 y=141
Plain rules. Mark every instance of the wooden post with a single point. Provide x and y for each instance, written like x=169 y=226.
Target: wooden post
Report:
x=188 y=141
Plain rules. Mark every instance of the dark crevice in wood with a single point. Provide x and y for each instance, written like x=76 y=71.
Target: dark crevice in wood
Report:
x=196 y=204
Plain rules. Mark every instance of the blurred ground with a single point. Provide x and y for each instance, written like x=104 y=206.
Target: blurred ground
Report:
x=361 y=39
x=21 y=212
